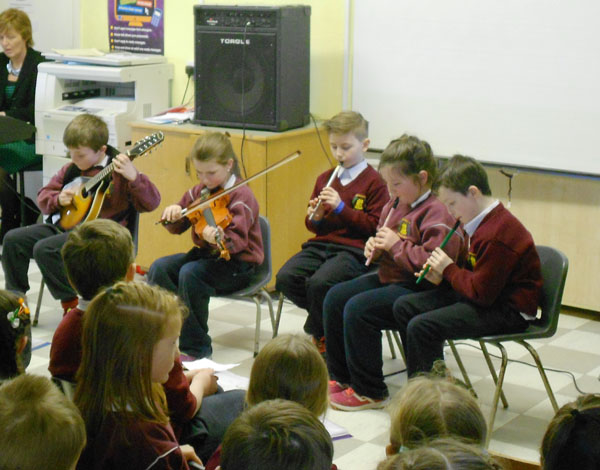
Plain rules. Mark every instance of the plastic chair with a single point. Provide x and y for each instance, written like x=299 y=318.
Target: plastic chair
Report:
x=554 y=272
x=21 y=185
x=133 y=222
x=256 y=289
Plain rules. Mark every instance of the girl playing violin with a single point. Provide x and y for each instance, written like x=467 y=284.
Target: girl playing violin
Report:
x=205 y=271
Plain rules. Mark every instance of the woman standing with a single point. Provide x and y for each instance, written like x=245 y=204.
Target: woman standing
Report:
x=18 y=75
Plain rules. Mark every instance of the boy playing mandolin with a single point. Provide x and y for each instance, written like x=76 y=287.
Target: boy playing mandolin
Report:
x=125 y=191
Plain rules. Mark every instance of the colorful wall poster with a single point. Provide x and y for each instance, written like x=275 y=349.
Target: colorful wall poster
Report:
x=136 y=26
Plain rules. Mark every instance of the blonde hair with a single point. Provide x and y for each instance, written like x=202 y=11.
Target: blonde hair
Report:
x=18 y=20
x=427 y=408
x=346 y=122
x=277 y=434
x=86 y=130
x=40 y=427
x=214 y=146
x=121 y=327
x=442 y=454
x=291 y=368
x=97 y=254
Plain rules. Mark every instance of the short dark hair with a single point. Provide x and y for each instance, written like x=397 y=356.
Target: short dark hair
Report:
x=86 y=130
x=460 y=172
x=277 y=434
x=97 y=254
x=410 y=155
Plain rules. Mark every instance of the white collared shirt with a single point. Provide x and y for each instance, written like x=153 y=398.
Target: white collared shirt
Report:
x=472 y=225
x=421 y=199
x=230 y=182
x=349 y=174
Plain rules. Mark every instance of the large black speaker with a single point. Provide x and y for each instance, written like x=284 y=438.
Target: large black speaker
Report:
x=252 y=66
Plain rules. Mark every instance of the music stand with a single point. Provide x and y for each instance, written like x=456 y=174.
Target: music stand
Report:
x=13 y=130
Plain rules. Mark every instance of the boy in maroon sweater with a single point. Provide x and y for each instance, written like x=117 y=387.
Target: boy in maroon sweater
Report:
x=86 y=137
x=342 y=213
x=105 y=248
x=496 y=291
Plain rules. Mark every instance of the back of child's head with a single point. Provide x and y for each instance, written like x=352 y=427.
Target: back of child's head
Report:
x=215 y=146
x=347 y=122
x=97 y=254
x=409 y=155
x=428 y=408
x=121 y=327
x=572 y=439
x=290 y=367
x=460 y=172
x=39 y=426
x=14 y=328
x=86 y=130
x=442 y=454
x=275 y=435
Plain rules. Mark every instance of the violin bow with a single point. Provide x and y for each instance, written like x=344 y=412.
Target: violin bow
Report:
x=188 y=210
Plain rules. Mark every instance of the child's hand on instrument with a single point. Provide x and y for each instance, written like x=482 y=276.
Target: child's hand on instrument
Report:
x=124 y=166
x=385 y=238
x=210 y=234
x=189 y=454
x=312 y=204
x=172 y=213
x=439 y=261
x=432 y=276
x=65 y=197
x=330 y=197
x=369 y=247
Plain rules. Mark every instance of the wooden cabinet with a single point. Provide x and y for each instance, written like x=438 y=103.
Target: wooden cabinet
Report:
x=282 y=194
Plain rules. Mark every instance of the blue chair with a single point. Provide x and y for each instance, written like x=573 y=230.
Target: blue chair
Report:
x=256 y=289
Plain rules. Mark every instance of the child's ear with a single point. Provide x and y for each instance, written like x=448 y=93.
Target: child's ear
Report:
x=21 y=344
x=130 y=272
x=365 y=144
x=473 y=191
x=390 y=450
x=103 y=149
x=423 y=177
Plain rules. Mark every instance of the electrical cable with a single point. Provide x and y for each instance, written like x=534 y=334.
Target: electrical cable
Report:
x=320 y=140
x=561 y=371
x=243 y=103
x=186 y=89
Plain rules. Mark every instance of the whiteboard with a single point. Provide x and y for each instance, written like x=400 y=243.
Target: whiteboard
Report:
x=55 y=23
x=514 y=82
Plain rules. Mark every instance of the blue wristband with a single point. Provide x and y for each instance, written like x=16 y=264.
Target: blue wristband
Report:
x=339 y=208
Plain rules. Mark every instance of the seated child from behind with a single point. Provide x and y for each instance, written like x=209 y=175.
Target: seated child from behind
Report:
x=274 y=435
x=39 y=426
x=15 y=334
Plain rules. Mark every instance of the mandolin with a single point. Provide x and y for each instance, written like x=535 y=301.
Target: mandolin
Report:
x=90 y=192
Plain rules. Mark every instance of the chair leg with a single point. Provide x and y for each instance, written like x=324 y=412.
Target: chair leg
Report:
x=461 y=366
x=39 y=303
x=256 y=299
x=388 y=334
x=396 y=336
x=265 y=295
x=499 y=381
x=538 y=363
x=278 y=315
x=22 y=196
x=488 y=359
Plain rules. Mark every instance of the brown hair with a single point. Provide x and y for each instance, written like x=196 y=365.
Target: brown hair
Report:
x=427 y=408
x=10 y=335
x=40 y=427
x=120 y=329
x=214 y=146
x=18 y=20
x=290 y=367
x=409 y=155
x=274 y=435
x=86 y=130
x=442 y=454
x=460 y=172
x=346 y=122
x=97 y=254
x=572 y=437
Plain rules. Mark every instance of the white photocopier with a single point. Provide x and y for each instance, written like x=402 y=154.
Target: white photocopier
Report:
x=117 y=87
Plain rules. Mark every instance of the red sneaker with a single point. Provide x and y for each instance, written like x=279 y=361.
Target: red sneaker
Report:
x=336 y=387
x=349 y=400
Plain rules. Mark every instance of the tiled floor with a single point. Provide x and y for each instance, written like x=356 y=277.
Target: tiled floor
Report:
x=518 y=429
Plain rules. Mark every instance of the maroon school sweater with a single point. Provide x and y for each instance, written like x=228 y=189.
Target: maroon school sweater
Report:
x=502 y=265
x=244 y=239
x=65 y=358
x=421 y=229
x=364 y=198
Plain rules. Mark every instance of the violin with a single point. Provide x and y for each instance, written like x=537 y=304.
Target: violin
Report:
x=215 y=214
